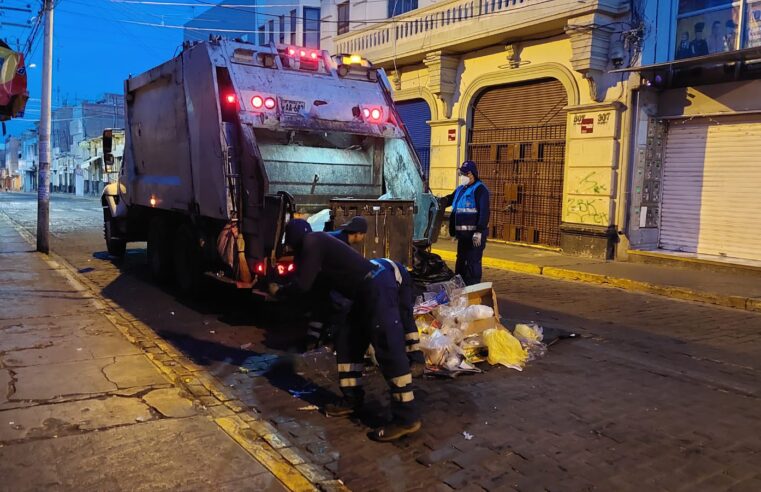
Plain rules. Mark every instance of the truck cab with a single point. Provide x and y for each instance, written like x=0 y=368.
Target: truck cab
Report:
x=228 y=141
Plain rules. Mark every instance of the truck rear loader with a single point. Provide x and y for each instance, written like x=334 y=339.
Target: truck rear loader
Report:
x=227 y=141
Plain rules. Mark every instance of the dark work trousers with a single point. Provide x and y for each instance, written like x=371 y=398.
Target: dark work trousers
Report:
x=469 y=258
x=406 y=308
x=374 y=318
x=327 y=312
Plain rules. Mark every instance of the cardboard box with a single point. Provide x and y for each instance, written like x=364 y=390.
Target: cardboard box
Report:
x=483 y=294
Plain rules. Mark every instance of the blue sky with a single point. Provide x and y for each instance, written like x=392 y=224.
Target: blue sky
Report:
x=96 y=46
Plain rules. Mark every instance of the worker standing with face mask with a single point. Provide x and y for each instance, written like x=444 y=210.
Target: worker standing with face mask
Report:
x=469 y=222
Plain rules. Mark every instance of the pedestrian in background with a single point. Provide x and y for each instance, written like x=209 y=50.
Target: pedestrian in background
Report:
x=469 y=222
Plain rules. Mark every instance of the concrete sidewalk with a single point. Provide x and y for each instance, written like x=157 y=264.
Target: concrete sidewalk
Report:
x=88 y=404
x=739 y=290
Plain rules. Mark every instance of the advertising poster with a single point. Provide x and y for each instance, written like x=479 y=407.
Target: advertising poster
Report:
x=709 y=32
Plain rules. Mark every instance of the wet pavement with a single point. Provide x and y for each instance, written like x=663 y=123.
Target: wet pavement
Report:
x=658 y=393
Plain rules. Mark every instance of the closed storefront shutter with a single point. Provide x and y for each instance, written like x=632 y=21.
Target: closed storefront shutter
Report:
x=517 y=139
x=416 y=114
x=711 y=181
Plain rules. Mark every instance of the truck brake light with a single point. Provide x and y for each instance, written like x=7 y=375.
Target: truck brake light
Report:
x=260 y=268
x=230 y=98
x=263 y=102
x=373 y=114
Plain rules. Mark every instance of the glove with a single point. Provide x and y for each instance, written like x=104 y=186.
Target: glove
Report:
x=477 y=239
x=273 y=289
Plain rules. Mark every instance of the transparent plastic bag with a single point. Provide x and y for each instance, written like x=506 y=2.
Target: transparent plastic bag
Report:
x=436 y=347
x=504 y=349
x=531 y=336
x=452 y=288
x=477 y=311
x=528 y=333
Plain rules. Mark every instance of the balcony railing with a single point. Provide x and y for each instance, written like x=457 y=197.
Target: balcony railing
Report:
x=465 y=23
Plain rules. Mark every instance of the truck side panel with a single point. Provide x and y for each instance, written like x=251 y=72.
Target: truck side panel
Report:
x=205 y=133
x=157 y=132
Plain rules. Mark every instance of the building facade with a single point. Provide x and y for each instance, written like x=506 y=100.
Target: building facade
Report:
x=260 y=21
x=696 y=157
x=523 y=89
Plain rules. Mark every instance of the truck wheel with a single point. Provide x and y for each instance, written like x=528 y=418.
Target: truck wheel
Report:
x=187 y=260
x=116 y=247
x=160 y=250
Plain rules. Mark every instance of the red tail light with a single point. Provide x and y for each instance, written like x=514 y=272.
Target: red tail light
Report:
x=230 y=98
x=257 y=101
x=373 y=114
x=269 y=103
x=291 y=51
x=260 y=267
x=291 y=268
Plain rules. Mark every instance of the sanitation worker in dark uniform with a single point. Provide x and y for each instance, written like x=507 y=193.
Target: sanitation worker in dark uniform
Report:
x=329 y=308
x=469 y=222
x=373 y=319
x=352 y=232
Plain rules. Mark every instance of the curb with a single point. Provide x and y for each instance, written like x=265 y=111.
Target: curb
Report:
x=258 y=438
x=681 y=293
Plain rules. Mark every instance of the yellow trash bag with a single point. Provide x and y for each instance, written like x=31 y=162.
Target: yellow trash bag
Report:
x=504 y=349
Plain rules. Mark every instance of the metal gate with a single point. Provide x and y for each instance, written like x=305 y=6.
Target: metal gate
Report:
x=523 y=169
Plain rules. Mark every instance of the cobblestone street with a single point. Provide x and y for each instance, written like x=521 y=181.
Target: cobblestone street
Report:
x=656 y=394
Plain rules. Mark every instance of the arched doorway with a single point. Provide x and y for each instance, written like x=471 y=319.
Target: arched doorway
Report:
x=517 y=138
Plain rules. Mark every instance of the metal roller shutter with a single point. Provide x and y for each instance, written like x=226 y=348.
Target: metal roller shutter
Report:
x=416 y=114
x=711 y=178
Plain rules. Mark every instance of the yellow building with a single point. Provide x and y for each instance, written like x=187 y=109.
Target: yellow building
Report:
x=522 y=88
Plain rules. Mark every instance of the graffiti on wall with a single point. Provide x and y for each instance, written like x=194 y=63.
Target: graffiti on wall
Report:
x=590 y=184
x=586 y=211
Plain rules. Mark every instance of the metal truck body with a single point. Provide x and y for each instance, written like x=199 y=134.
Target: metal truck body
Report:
x=228 y=140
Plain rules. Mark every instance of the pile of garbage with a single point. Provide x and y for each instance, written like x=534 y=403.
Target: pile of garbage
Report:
x=460 y=327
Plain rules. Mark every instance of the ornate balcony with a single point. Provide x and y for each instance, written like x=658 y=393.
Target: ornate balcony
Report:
x=466 y=25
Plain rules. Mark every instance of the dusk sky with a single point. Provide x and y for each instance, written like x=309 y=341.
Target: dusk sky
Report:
x=97 y=45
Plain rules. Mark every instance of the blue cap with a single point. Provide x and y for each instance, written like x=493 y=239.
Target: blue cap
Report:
x=469 y=167
x=295 y=230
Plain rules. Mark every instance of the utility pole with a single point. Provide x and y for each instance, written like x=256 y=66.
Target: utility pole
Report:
x=43 y=176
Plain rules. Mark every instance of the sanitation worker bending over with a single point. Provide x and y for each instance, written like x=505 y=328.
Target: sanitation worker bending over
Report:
x=469 y=222
x=374 y=318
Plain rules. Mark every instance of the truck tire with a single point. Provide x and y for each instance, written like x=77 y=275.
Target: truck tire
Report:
x=160 y=250
x=187 y=261
x=116 y=247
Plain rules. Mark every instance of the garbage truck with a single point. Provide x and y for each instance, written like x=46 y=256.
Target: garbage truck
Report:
x=227 y=141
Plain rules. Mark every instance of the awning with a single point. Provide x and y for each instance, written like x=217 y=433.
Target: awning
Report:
x=714 y=59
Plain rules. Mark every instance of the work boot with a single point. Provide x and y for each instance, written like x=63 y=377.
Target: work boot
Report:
x=342 y=407
x=394 y=431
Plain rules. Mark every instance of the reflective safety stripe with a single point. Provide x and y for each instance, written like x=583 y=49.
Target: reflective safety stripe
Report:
x=465 y=228
x=397 y=273
x=405 y=397
x=314 y=334
x=413 y=348
x=412 y=336
x=466 y=210
x=348 y=382
x=402 y=381
x=316 y=324
x=351 y=367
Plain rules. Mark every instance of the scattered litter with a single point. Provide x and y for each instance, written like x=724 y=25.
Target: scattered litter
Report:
x=79 y=349
x=140 y=419
x=309 y=408
x=467 y=435
x=505 y=349
x=11 y=423
x=300 y=393
x=243 y=370
x=206 y=323
x=172 y=313
x=212 y=332
x=246 y=346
